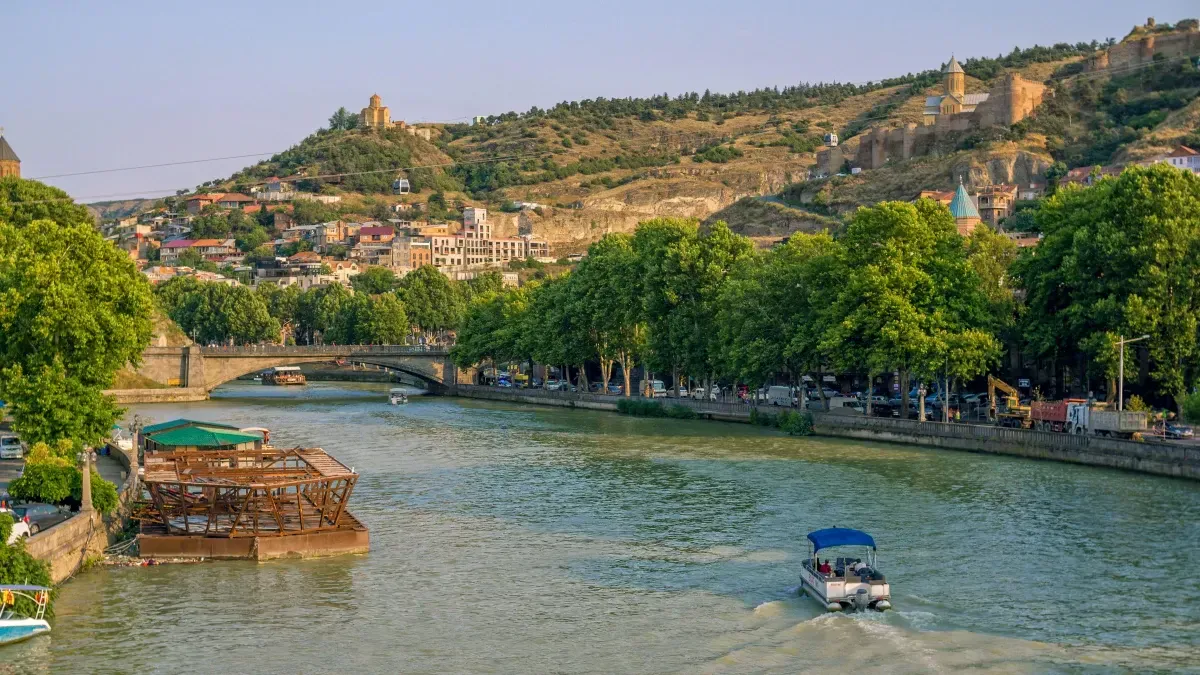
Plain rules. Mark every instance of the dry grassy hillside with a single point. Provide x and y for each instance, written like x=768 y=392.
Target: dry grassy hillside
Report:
x=602 y=166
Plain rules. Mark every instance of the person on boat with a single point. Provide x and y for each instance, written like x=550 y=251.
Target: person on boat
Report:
x=858 y=566
x=825 y=568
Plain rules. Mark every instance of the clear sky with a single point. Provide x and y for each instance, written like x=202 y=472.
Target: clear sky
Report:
x=123 y=83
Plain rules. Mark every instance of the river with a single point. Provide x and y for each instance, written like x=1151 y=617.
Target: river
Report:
x=509 y=539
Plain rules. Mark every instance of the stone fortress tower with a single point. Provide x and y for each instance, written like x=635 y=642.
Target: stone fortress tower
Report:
x=10 y=164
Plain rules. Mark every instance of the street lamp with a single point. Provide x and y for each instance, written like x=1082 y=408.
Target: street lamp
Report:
x=1121 y=375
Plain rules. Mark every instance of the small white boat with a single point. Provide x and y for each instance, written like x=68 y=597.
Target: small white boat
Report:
x=847 y=583
x=15 y=627
x=398 y=397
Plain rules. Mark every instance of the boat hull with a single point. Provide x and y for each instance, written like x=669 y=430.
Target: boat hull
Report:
x=841 y=604
x=16 y=630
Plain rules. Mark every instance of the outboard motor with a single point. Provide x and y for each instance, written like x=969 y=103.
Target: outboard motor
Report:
x=862 y=599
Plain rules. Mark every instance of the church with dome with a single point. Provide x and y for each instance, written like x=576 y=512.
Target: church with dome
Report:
x=10 y=164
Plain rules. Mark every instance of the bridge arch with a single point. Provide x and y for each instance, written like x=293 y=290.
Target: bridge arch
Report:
x=210 y=367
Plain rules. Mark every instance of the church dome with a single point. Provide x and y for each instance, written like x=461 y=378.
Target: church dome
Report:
x=962 y=206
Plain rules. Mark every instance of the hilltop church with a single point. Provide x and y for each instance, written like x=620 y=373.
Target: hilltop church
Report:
x=955 y=100
x=10 y=164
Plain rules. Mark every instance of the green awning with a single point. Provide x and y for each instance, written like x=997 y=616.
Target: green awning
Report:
x=174 y=424
x=203 y=437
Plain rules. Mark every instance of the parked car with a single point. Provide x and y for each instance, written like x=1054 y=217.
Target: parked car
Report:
x=595 y=387
x=20 y=527
x=682 y=392
x=614 y=388
x=714 y=393
x=1179 y=430
x=40 y=516
x=556 y=385
x=536 y=382
x=11 y=447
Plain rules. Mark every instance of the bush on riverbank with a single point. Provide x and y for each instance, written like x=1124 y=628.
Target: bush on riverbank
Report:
x=17 y=566
x=795 y=423
x=628 y=406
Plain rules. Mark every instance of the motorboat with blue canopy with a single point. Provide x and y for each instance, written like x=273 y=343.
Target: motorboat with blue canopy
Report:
x=28 y=621
x=851 y=579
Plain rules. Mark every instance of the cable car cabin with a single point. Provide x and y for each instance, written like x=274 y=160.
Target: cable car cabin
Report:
x=400 y=186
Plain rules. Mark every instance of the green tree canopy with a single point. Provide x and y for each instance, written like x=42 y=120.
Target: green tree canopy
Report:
x=374 y=280
x=432 y=302
x=1120 y=258
x=73 y=310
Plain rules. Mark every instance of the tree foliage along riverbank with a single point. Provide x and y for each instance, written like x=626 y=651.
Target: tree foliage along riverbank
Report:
x=898 y=290
x=73 y=310
x=382 y=309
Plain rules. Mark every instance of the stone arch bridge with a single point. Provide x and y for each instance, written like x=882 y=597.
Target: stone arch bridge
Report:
x=207 y=368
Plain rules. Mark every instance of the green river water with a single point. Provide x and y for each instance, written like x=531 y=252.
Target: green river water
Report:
x=508 y=539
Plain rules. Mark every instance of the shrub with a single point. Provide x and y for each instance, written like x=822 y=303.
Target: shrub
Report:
x=681 y=412
x=104 y=493
x=1137 y=404
x=17 y=566
x=1190 y=409
x=628 y=406
x=44 y=482
x=6 y=527
x=796 y=423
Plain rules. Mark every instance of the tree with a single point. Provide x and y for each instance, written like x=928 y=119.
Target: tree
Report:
x=909 y=299
x=24 y=201
x=1119 y=258
x=605 y=294
x=318 y=311
x=1054 y=174
x=433 y=304
x=343 y=120
x=216 y=312
x=772 y=313
x=374 y=280
x=73 y=310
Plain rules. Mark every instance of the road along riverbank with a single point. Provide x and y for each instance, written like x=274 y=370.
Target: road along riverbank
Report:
x=1161 y=459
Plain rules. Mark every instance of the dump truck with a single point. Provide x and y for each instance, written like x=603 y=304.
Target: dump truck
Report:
x=1012 y=413
x=1052 y=415
x=1085 y=419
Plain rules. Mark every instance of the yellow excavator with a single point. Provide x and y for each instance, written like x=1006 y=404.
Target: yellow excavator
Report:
x=1014 y=414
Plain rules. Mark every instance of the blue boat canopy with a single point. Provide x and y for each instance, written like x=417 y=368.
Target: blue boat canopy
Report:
x=839 y=536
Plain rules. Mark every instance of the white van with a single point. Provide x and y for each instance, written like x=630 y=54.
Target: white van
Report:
x=11 y=447
x=780 y=396
x=653 y=389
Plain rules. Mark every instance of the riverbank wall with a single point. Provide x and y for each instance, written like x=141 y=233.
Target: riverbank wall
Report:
x=164 y=395
x=1162 y=459
x=68 y=546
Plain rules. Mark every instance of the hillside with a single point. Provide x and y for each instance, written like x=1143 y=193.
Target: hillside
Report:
x=599 y=166
x=113 y=210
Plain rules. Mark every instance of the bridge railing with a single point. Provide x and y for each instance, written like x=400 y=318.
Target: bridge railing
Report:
x=323 y=350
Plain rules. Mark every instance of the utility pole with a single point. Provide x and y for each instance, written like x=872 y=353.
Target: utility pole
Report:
x=1121 y=375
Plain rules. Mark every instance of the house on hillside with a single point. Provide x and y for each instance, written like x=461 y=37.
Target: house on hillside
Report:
x=375 y=233
x=995 y=203
x=1184 y=158
x=170 y=250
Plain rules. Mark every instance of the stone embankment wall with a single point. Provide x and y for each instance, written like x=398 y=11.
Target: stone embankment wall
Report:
x=1163 y=459
x=68 y=545
x=169 y=395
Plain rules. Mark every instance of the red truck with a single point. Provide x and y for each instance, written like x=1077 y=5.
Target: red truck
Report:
x=1050 y=415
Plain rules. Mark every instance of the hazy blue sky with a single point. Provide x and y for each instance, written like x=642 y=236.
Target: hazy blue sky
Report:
x=126 y=83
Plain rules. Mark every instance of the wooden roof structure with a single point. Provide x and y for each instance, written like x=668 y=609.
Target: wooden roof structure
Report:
x=246 y=493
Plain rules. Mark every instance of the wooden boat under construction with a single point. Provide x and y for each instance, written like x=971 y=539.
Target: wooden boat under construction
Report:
x=247 y=503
